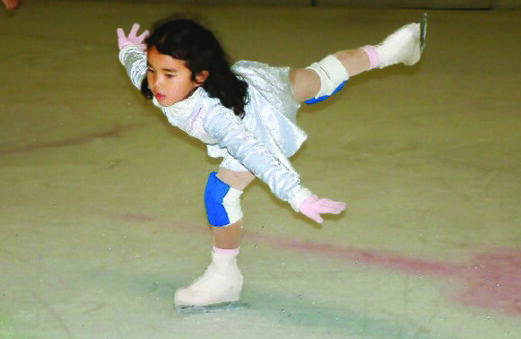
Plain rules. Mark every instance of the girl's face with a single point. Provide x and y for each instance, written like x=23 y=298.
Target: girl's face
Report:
x=169 y=79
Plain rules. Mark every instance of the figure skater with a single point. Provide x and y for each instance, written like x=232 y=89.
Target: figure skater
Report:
x=245 y=114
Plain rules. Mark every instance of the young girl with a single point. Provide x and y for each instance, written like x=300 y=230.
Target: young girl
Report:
x=245 y=114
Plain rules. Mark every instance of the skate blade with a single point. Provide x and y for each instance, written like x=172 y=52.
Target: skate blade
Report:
x=226 y=306
x=423 y=32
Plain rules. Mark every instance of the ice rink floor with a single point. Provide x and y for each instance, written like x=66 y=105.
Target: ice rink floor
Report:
x=102 y=216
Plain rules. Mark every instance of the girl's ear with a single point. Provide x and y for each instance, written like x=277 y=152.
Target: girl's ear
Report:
x=201 y=77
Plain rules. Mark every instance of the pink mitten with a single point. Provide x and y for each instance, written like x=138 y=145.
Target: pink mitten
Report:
x=132 y=38
x=312 y=207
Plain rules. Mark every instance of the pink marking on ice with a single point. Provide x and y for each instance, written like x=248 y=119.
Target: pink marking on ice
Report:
x=490 y=280
x=134 y=217
x=166 y=223
x=384 y=259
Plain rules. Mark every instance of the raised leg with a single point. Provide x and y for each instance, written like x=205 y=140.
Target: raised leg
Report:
x=324 y=78
x=307 y=83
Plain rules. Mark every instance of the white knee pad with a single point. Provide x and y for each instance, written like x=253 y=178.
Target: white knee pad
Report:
x=332 y=74
x=223 y=202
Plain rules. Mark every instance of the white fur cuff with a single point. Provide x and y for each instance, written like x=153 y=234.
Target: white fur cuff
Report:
x=299 y=197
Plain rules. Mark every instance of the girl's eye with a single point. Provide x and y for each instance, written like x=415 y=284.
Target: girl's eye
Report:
x=169 y=76
x=149 y=70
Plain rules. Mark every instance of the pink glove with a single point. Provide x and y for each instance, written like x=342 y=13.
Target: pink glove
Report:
x=312 y=207
x=132 y=38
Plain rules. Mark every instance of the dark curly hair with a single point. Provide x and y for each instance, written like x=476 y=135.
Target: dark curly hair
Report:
x=187 y=40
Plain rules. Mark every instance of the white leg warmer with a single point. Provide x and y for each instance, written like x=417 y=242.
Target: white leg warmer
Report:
x=332 y=76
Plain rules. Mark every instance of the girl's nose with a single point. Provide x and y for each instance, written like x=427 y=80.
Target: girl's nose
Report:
x=155 y=81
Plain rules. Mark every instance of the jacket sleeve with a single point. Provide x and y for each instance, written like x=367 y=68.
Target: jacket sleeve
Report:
x=135 y=62
x=230 y=133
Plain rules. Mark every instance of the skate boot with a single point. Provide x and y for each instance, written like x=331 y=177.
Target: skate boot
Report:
x=218 y=288
x=404 y=46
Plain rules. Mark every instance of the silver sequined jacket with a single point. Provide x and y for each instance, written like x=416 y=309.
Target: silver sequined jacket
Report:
x=261 y=142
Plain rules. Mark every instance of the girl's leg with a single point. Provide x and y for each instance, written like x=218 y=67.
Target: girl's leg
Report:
x=324 y=78
x=222 y=281
x=229 y=237
x=306 y=82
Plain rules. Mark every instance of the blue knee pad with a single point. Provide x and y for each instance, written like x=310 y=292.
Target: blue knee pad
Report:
x=324 y=97
x=222 y=202
x=333 y=77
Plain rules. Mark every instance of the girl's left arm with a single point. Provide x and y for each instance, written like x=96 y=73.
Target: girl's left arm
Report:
x=231 y=133
x=284 y=182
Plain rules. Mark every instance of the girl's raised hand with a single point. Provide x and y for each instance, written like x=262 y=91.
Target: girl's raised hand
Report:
x=132 y=38
x=312 y=207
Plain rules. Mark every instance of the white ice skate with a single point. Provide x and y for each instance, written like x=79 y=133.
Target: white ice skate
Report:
x=219 y=288
x=404 y=46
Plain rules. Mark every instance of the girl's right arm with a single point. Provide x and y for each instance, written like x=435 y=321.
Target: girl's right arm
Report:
x=135 y=62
